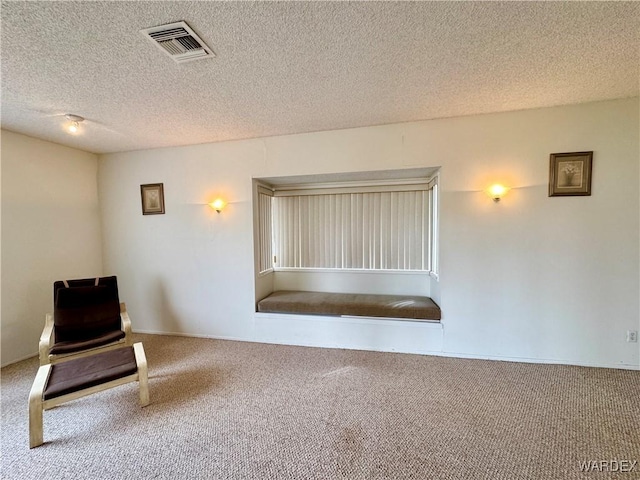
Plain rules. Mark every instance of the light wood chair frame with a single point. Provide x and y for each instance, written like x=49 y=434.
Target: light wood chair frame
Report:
x=37 y=404
x=47 y=340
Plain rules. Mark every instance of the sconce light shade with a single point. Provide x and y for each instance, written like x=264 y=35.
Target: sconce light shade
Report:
x=218 y=204
x=497 y=191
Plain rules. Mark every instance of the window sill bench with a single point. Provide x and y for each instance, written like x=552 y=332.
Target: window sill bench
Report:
x=352 y=305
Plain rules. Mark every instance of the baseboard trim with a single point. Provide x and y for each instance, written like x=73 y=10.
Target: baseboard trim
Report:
x=11 y=362
x=194 y=335
x=270 y=342
x=547 y=361
x=621 y=366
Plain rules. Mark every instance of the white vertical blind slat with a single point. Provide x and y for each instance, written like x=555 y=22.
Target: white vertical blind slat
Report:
x=375 y=230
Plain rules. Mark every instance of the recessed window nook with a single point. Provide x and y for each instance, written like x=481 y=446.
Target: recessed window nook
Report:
x=364 y=233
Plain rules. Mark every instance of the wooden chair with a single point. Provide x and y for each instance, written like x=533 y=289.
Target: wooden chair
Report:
x=79 y=377
x=88 y=318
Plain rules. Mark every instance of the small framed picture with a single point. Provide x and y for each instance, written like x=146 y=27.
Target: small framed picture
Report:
x=570 y=174
x=152 y=198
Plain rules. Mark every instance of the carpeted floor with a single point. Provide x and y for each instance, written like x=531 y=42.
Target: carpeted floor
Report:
x=233 y=410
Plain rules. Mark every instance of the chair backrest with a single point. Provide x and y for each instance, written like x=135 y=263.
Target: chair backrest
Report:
x=85 y=308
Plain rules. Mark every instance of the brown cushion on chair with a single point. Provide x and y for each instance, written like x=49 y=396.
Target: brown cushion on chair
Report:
x=83 y=311
x=86 y=372
x=71 y=346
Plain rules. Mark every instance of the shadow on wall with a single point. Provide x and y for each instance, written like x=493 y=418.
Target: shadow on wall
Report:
x=168 y=320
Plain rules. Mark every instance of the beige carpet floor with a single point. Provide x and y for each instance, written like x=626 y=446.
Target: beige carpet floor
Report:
x=233 y=410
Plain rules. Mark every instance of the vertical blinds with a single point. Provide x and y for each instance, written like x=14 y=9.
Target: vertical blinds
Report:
x=384 y=230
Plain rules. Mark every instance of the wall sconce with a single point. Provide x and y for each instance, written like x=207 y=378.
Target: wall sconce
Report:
x=73 y=126
x=218 y=204
x=497 y=191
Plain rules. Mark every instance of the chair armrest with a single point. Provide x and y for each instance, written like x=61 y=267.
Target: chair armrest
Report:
x=40 y=382
x=46 y=339
x=125 y=324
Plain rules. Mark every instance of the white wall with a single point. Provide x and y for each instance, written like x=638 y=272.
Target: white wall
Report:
x=532 y=277
x=381 y=282
x=50 y=231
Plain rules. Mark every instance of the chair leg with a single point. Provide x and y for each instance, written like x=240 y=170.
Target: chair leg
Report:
x=35 y=406
x=143 y=376
x=36 y=433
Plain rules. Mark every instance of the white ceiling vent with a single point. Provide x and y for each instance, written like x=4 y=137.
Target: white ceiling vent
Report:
x=179 y=42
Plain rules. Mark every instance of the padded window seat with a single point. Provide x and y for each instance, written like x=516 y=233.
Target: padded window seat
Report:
x=351 y=304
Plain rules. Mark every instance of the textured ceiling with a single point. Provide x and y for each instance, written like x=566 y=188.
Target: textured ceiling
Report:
x=292 y=67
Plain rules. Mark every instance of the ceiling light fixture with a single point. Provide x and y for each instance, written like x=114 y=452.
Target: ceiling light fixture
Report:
x=73 y=126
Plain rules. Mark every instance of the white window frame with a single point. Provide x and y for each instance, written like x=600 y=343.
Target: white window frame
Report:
x=264 y=240
x=431 y=242
x=434 y=226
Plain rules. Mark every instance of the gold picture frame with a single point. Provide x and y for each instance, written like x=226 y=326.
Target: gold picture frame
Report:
x=152 y=195
x=570 y=174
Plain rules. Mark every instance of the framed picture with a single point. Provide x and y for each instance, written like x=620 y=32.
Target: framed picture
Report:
x=152 y=198
x=570 y=174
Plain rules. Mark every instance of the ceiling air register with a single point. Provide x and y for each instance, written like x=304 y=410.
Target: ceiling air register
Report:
x=179 y=42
